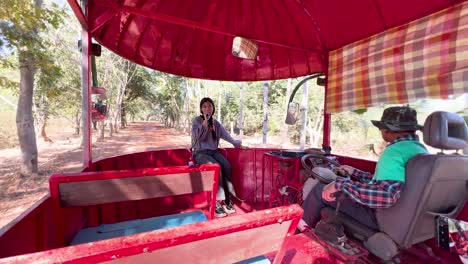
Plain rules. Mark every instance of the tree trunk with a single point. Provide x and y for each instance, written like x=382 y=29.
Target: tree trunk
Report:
x=241 y=108
x=43 y=132
x=186 y=112
x=118 y=110
x=24 y=117
x=77 y=121
x=316 y=130
x=284 y=127
x=42 y=115
x=123 y=118
x=199 y=91
x=206 y=89
x=116 y=125
x=100 y=125
x=265 y=112
x=111 y=128
x=220 y=92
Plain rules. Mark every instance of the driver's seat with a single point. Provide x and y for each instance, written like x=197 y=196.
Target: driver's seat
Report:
x=436 y=184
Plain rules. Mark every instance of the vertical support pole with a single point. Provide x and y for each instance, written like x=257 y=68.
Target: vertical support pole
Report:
x=304 y=119
x=86 y=96
x=265 y=112
x=241 y=109
x=214 y=192
x=93 y=68
x=326 y=116
x=263 y=180
x=290 y=233
x=220 y=97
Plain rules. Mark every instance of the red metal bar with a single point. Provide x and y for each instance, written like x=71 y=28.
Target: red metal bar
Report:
x=214 y=192
x=86 y=96
x=57 y=216
x=28 y=232
x=120 y=247
x=263 y=180
x=76 y=8
x=193 y=24
x=282 y=251
x=103 y=19
x=326 y=116
x=104 y=175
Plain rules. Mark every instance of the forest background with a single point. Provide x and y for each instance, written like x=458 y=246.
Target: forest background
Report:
x=40 y=87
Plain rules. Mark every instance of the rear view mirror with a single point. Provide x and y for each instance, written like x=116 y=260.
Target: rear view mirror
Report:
x=244 y=48
x=291 y=115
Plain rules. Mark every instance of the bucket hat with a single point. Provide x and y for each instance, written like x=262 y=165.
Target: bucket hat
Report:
x=398 y=118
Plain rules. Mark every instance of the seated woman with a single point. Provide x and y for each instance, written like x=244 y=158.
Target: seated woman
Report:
x=206 y=132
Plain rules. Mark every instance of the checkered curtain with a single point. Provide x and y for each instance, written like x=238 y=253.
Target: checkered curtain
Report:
x=244 y=48
x=427 y=58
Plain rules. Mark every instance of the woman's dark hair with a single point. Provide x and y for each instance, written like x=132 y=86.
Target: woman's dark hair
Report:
x=204 y=100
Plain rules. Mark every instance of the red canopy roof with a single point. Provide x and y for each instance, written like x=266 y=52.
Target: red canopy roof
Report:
x=193 y=38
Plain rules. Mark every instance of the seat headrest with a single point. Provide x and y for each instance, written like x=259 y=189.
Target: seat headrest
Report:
x=445 y=130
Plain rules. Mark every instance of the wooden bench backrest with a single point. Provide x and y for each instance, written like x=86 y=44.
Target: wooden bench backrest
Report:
x=93 y=188
x=225 y=240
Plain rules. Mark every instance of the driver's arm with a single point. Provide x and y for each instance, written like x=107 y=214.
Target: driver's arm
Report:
x=226 y=136
x=362 y=176
x=356 y=174
x=376 y=194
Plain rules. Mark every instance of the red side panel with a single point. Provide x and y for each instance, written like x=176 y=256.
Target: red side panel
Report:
x=153 y=241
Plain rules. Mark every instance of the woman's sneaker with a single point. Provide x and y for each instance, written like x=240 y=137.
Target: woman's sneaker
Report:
x=219 y=211
x=229 y=207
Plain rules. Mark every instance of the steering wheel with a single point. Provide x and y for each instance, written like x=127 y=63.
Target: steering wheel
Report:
x=311 y=161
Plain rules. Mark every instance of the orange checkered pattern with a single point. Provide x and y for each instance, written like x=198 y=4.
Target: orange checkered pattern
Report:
x=427 y=58
x=244 y=48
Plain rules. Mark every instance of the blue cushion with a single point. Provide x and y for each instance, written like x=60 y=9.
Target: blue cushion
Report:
x=131 y=227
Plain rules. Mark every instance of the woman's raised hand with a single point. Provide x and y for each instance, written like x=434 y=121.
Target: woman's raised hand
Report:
x=205 y=121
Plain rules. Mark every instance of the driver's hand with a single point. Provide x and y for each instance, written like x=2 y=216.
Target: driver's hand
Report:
x=328 y=193
x=325 y=173
x=345 y=170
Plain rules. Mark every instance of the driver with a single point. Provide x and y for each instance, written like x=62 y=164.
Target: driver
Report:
x=364 y=192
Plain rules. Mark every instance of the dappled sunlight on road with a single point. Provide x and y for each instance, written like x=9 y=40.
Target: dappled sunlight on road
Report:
x=64 y=155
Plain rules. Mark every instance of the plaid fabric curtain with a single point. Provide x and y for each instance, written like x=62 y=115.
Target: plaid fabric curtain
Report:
x=244 y=48
x=427 y=58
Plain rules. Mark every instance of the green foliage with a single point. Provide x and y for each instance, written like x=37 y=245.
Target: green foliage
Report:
x=24 y=26
x=170 y=97
x=230 y=109
x=9 y=75
x=21 y=24
x=360 y=111
x=8 y=136
x=140 y=97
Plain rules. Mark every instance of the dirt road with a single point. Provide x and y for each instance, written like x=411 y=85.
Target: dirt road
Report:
x=65 y=155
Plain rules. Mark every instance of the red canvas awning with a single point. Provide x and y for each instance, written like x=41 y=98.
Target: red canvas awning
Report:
x=194 y=38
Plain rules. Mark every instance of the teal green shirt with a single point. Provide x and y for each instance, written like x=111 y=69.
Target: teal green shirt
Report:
x=392 y=162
